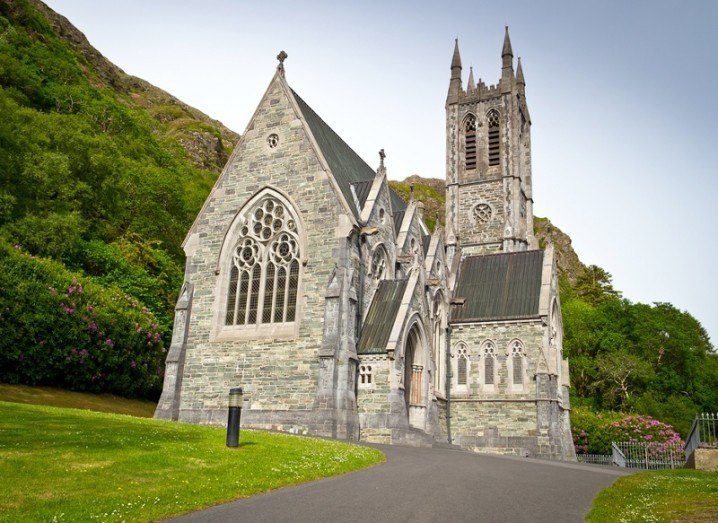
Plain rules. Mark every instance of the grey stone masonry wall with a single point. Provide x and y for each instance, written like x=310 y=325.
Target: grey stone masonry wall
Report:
x=478 y=236
x=278 y=366
x=504 y=417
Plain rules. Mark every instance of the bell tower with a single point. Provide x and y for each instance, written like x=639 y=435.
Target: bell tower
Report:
x=489 y=203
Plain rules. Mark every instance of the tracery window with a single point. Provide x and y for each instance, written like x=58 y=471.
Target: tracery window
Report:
x=494 y=137
x=489 y=355
x=482 y=214
x=264 y=275
x=378 y=264
x=462 y=366
x=470 y=139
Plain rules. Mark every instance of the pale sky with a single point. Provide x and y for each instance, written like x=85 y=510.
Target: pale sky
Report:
x=621 y=95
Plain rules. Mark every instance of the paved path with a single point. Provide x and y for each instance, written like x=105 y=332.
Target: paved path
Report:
x=422 y=485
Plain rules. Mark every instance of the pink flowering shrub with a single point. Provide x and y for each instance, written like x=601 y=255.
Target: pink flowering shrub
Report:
x=645 y=429
x=593 y=432
x=62 y=329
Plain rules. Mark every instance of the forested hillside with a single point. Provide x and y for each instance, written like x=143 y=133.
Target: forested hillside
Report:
x=101 y=175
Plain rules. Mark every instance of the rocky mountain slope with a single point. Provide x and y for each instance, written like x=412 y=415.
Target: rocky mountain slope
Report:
x=207 y=142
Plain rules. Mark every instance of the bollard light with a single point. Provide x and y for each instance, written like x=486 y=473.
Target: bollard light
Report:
x=235 y=412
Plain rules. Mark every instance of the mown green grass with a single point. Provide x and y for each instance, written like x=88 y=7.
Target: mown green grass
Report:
x=659 y=496
x=71 y=465
x=76 y=400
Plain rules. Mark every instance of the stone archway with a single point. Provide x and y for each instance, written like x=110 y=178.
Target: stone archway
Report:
x=414 y=376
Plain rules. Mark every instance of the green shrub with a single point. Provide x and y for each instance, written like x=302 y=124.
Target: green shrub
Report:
x=589 y=430
x=59 y=328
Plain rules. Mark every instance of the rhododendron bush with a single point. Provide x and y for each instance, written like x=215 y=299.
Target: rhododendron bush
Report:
x=594 y=432
x=60 y=329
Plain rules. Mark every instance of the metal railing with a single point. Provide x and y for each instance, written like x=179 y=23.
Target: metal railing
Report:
x=704 y=432
x=647 y=455
x=595 y=459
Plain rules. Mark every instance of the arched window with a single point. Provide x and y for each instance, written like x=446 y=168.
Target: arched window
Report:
x=492 y=119
x=470 y=140
x=517 y=361
x=378 y=264
x=264 y=274
x=488 y=352
x=462 y=366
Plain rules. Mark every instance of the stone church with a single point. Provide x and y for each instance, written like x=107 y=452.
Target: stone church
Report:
x=313 y=286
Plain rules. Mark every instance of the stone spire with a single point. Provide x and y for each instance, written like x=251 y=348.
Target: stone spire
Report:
x=507 y=58
x=456 y=61
x=455 y=83
x=520 y=74
x=472 y=85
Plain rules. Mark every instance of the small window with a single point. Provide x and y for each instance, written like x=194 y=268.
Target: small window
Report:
x=461 y=368
x=489 y=360
x=517 y=355
x=378 y=264
x=470 y=139
x=494 y=137
x=366 y=375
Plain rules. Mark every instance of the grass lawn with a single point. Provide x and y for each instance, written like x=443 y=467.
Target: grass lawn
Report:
x=76 y=400
x=61 y=464
x=666 y=495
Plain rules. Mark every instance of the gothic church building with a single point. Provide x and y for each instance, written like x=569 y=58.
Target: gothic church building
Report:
x=313 y=286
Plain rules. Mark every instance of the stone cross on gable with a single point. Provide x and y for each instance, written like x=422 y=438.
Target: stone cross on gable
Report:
x=281 y=57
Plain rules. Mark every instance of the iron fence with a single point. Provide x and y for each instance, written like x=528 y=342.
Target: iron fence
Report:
x=704 y=432
x=595 y=459
x=647 y=455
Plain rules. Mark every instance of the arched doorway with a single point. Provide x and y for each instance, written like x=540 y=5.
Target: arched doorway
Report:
x=414 y=365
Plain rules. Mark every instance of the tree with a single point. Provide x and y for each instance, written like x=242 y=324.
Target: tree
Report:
x=595 y=286
x=619 y=375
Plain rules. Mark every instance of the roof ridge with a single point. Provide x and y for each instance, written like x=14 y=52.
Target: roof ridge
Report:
x=502 y=253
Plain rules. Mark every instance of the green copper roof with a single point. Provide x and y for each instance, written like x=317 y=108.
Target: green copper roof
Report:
x=499 y=286
x=381 y=317
x=346 y=165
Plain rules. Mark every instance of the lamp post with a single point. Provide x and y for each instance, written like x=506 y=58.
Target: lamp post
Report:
x=235 y=412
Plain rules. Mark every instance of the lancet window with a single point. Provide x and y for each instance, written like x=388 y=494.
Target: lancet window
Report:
x=470 y=140
x=489 y=355
x=378 y=264
x=492 y=119
x=517 y=360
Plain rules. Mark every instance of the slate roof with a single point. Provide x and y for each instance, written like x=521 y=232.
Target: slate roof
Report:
x=346 y=165
x=398 y=218
x=381 y=317
x=499 y=286
x=362 y=190
x=425 y=241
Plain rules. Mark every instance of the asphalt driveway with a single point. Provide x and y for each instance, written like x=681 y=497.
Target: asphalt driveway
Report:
x=421 y=485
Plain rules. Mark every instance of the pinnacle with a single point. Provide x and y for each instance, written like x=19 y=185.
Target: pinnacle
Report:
x=456 y=60
x=520 y=74
x=507 y=44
